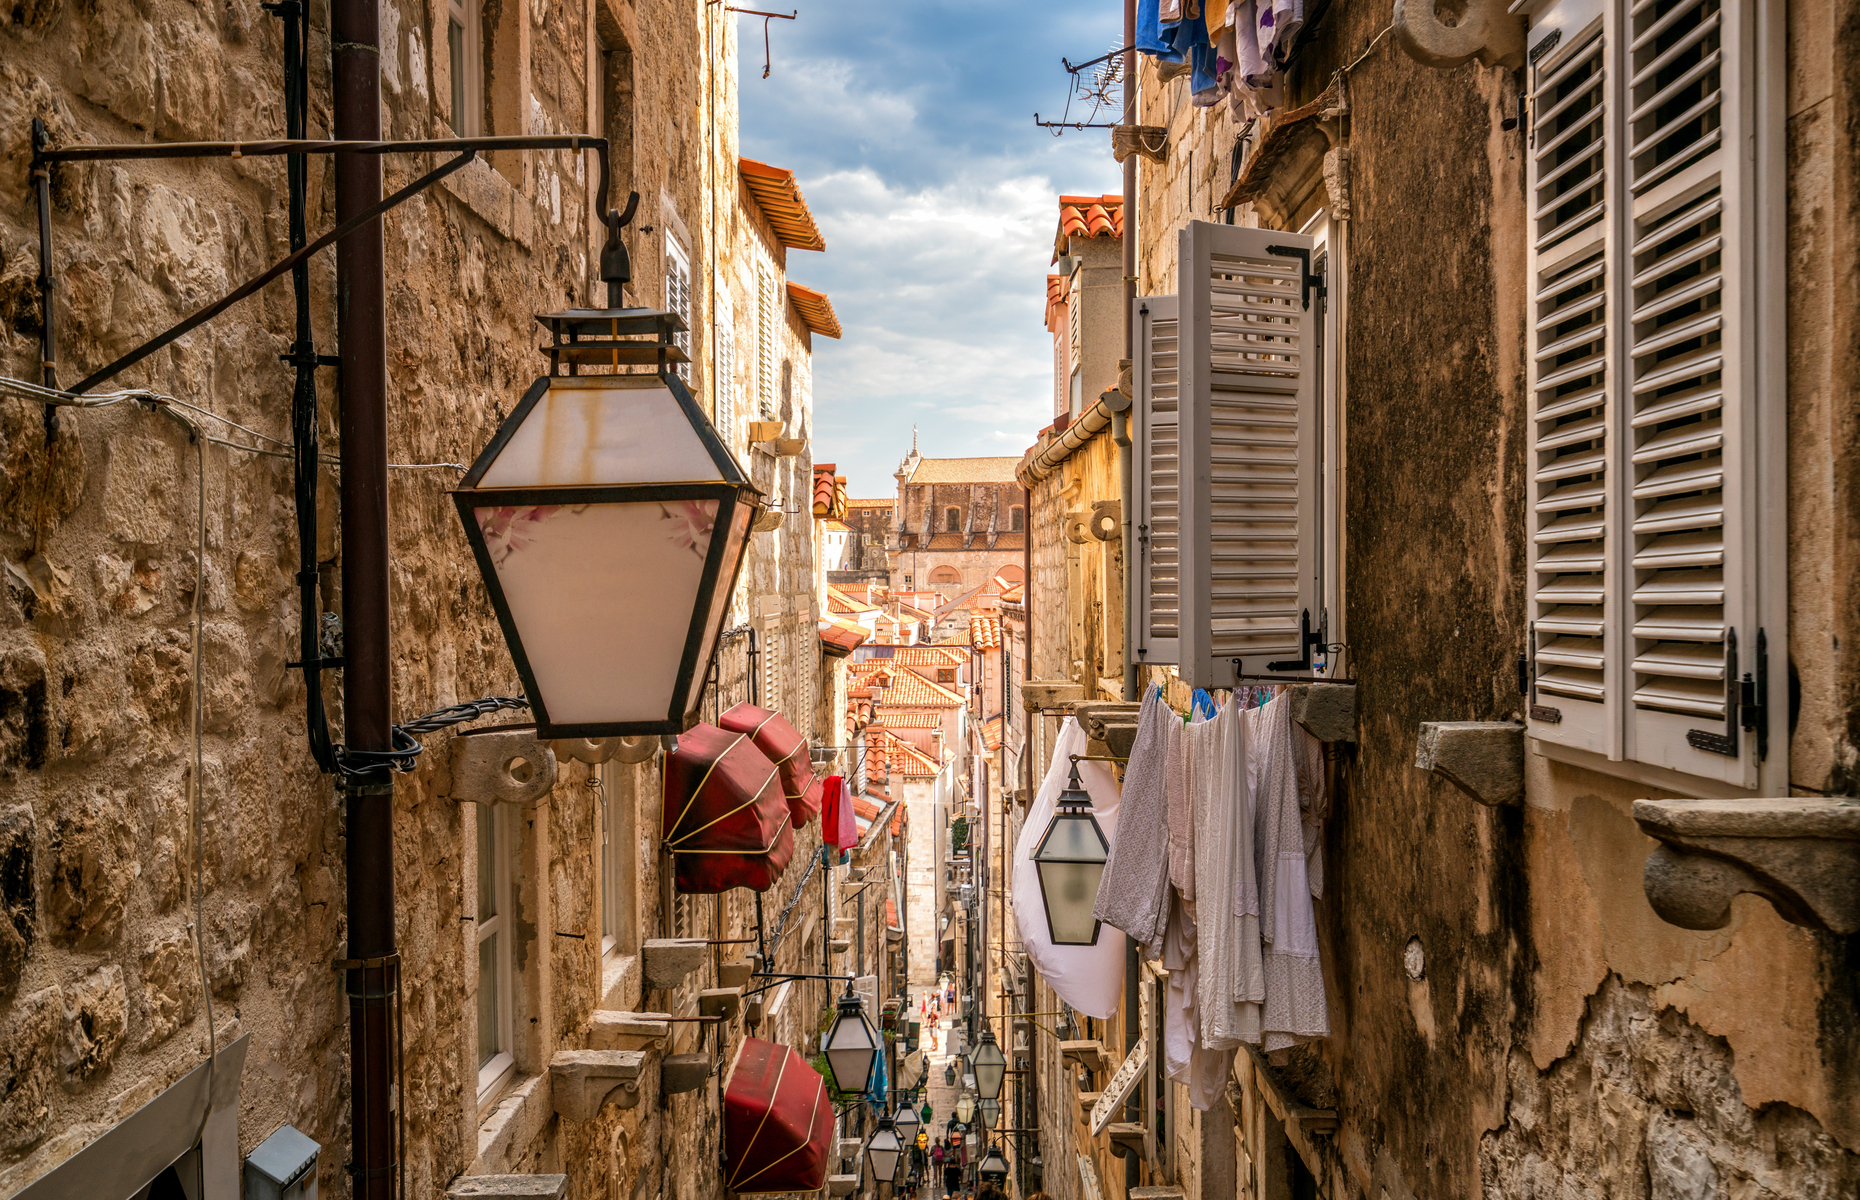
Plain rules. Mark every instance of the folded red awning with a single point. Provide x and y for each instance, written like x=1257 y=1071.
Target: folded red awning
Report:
x=787 y=749
x=777 y=1122
x=726 y=821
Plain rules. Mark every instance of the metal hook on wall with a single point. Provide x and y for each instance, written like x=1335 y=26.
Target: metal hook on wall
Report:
x=767 y=57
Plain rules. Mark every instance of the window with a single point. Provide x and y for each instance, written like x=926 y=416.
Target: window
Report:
x=945 y=575
x=465 y=55
x=619 y=864
x=768 y=311
x=495 y=993
x=1017 y=518
x=1656 y=608
x=678 y=297
x=952 y=520
x=725 y=401
x=945 y=675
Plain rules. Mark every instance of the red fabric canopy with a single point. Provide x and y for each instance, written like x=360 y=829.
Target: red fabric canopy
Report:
x=787 y=749
x=777 y=1122
x=725 y=818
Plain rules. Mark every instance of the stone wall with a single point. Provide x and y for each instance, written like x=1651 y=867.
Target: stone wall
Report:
x=109 y=551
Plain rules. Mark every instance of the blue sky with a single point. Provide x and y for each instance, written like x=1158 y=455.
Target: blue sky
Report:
x=910 y=128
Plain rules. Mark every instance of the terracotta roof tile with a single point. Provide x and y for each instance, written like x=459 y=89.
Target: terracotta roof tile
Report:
x=815 y=309
x=985 y=632
x=928 y=656
x=779 y=197
x=964 y=470
x=954 y=541
x=911 y=720
x=841 y=638
x=839 y=602
x=1089 y=217
x=1055 y=303
x=991 y=733
x=829 y=492
x=900 y=757
x=881 y=503
x=907 y=688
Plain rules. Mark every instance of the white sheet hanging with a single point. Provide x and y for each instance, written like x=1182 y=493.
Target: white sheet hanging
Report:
x=1089 y=978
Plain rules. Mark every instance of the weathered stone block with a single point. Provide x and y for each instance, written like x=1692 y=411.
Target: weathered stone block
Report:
x=628 y=1031
x=736 y=974
x=669 y=960
x=18 y=899
x=92 y=866
x=500 y=766
x=1326 y=711
x=681 y=1073
x=508 y=1187
x=95 y=1017
x=25 y=1063
x=1484 y=759
x=581 y=1081
x=1050 y=693
x=720 y=1002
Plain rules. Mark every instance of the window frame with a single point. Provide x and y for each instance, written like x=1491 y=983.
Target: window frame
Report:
x=496 y=1071
x=680 y=299
x=465 y=65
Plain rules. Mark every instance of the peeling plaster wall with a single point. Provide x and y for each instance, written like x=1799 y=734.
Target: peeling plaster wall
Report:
x=1509 y=1016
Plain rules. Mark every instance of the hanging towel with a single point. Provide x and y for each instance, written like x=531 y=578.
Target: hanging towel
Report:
x=837 y=826
x=1181 y=812
x=1202 y=1070
x=1278 y=23
x=1313 y=803
x=1152 y=38
x=1295 y=1007
x=1231 y=983
x=1089 y=978
x=1133 y=895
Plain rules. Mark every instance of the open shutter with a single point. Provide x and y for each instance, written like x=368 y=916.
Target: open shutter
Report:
x=1154 y=433
x=1572 y=701
x=1692 y=391
x=1249 y=488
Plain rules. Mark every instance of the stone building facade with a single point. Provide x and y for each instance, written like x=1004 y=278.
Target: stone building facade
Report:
x=1514 y=1010
x=956 y=523
x=162 y=817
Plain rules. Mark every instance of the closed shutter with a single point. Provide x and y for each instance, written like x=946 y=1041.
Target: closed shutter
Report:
x=678 y=299
x=726 y=370
x=766 y=314
x=1570 y=388
x=1692 y=391
x=1156 y=485
x=1248 y=427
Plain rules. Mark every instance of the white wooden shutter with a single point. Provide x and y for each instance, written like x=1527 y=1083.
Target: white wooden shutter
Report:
x=767 y=313
x=1574 y=696
x=726 y=369
x=678 y=298
x=1692 y=385
x=1248 y=368
x=1155 y=458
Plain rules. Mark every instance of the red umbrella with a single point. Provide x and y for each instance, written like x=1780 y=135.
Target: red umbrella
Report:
x=725 y=819
x=787 y=749
x=777 y=1122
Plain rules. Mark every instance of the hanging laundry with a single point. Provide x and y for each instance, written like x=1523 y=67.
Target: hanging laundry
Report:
x=1278 y=22
x=837 y=824
x=1232 y=983
x=1181 y=813
x=1152 y=38
x=1313 y=803
x=1089 y=978
x=1133 y=894
x=1202 y=1070
x=1295 y=1008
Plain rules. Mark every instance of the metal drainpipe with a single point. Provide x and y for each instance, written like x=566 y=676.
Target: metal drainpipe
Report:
x=361 y=328
x=1131 y=686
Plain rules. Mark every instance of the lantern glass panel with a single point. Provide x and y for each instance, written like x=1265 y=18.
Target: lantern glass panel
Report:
x=601 y=430
x=990 y=1065
x=1071 y=862
x=885 y=1152
x=991 y=1112
x=965 y=1109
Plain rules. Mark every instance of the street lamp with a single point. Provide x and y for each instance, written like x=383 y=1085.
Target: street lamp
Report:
x=906 y=1123
x=989 y=1065
x=991 y=1112
x=851 y=1045
x=993 y=1168
x=965 y=1108
x=1071 y=861
x=949 y=1073
x=886 y=1153
x=594 y=484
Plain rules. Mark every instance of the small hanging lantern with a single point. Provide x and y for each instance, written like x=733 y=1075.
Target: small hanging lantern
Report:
x=1071 y=860
x=886 y=1153
x=989 y=1065
x=965 y=1108
x=851 y=1045
x=906 y=1122
x=991 y=1112
x=609 y=522
x=993 y=1168
x=949 y=1073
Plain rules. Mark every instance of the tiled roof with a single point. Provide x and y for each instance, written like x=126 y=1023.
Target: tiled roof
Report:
x=991 y=733
x=911 y=720
x=928 y=656
x=1013 y=595
x=1090 y=217
x=829 y=491
x=907 y=688
x=841 y=638
x=964 y=470
x=985 y=632
x=958 y=638
x=780 y=200
x=954 y=541
x=815 y=309
x=886 y=502
x=1055 y=303
x=830 y=525
x=900 y=756
x=840 y=602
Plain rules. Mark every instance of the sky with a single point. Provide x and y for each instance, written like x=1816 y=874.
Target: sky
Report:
x=909 y=127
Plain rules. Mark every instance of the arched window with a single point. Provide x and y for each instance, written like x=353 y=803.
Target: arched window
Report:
x=1017 y=518
x=945 y=574
x=1011 y=573
x=952 y=520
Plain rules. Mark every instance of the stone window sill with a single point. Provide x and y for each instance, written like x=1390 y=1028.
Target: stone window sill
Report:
x=480 y=188
x=517 y=1119
x=620 y=982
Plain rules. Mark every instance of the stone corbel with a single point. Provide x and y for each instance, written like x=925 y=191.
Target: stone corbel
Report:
x=1043 y=694
x=1800 y=854
x=499 y=766
x=1481 y=29
x=1326 y=711
x=1107 y=520
x=668 y=960
x=1151 y=141
x=842 y=1185
x=1088 y=1053
x=1076 y=525
x=681 y=1073
x=720 y=1002
x=1484 y=759
x=629 y=1030
x=1126 y=1138
x=580 y=1081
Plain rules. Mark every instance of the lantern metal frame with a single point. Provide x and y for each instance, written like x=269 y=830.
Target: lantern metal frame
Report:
x=1069 y=809
x=732 y=492
x=850 y=1007
x=965 y=1108
x=995 y=1174
x=906 y=1122
x=989 y=1109
x=900 y=1157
